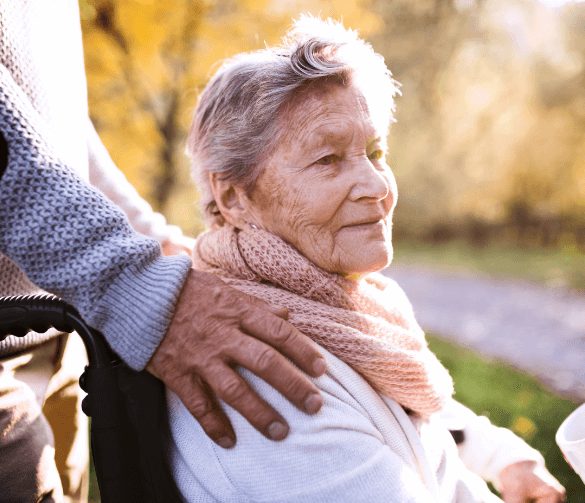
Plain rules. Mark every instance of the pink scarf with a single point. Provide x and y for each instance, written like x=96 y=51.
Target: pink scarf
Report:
x=369 y=323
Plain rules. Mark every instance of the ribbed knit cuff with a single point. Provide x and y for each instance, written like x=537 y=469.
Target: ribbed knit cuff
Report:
x=137 y=308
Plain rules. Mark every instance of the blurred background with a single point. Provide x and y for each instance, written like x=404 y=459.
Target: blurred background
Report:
x=488 y=150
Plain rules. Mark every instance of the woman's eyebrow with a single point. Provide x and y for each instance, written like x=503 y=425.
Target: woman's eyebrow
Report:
x=325 y=135
x=342 y=134
x=321 y=137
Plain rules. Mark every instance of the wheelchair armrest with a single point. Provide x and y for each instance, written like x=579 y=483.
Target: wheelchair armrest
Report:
x=22 y=314
x=25 y=313
x=127 y=407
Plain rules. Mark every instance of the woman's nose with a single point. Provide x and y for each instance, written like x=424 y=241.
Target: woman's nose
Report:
x=372 y=182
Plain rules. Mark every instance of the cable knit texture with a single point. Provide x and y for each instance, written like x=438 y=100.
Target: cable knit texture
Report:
x=369 y=324
x=68 y=238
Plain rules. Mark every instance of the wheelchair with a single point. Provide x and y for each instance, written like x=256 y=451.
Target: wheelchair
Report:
x=129 y=427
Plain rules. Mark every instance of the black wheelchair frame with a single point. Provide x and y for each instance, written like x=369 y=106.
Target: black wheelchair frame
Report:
x=129 y=427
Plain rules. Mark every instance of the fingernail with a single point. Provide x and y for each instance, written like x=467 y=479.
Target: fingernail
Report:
x=225 y=442
x=319 y=366
x=313 y=403
x=277 y=430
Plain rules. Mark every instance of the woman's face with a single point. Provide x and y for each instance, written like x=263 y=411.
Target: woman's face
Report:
x=327 y=189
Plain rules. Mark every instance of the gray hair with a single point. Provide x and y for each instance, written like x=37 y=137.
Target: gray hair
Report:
x=236 y=123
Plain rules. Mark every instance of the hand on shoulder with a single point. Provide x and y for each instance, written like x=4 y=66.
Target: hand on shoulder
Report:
x=216 y=328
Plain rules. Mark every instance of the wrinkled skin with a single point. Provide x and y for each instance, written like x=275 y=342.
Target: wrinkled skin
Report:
x=327 y=189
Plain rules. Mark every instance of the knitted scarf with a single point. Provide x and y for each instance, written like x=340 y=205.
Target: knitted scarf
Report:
x=367 y=323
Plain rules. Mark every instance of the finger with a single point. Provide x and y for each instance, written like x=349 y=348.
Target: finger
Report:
x=200 y=402
x=235 y=391
x=281 y=312
x=283 y=336
x=552 y=495
x=513 y=498
x=548 y=489
x=276 y=370
x=550 y=498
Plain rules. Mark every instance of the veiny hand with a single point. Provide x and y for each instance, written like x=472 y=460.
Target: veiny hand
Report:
x=216 y=328
x=529 y=481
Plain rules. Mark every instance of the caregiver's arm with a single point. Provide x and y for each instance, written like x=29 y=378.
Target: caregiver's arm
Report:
x=70 y=240
x=105 y=175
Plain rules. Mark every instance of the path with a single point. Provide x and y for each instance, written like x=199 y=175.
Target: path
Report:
x=534 y=328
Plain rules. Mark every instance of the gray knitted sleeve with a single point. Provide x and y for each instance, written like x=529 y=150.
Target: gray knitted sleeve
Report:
x=71 y=241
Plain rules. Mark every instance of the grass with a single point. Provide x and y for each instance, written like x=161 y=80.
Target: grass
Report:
x=563 y=266
x=513 y=400
x=509 y=398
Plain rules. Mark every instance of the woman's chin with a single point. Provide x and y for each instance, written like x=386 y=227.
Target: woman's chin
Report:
x=373 y=261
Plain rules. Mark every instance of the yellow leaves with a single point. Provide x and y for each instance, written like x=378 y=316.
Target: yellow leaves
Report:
x=357 y=15
x=87 y=11
x=524 y=427
x=146 y=25
x=245 y=25
x=133 y=150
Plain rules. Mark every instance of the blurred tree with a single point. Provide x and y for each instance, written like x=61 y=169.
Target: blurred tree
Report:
x=490 y=128
x=140 y=58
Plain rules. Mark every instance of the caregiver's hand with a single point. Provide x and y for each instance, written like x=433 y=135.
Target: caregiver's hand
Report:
x=529 y=481
x=216 y=328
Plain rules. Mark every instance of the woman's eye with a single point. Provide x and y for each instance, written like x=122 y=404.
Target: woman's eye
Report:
x=328 y=159
x=376 y=155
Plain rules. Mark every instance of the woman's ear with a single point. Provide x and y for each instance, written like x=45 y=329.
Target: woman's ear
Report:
x=231 y=200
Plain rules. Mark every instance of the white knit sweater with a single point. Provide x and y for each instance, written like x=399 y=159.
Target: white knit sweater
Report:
x=360 y=447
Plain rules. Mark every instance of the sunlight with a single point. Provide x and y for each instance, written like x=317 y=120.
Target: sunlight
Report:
x=559 y=3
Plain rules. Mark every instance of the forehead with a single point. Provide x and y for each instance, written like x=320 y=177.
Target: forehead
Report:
x=328 y=112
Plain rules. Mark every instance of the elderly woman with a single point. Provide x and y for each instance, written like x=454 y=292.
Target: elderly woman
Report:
x=288 y=146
